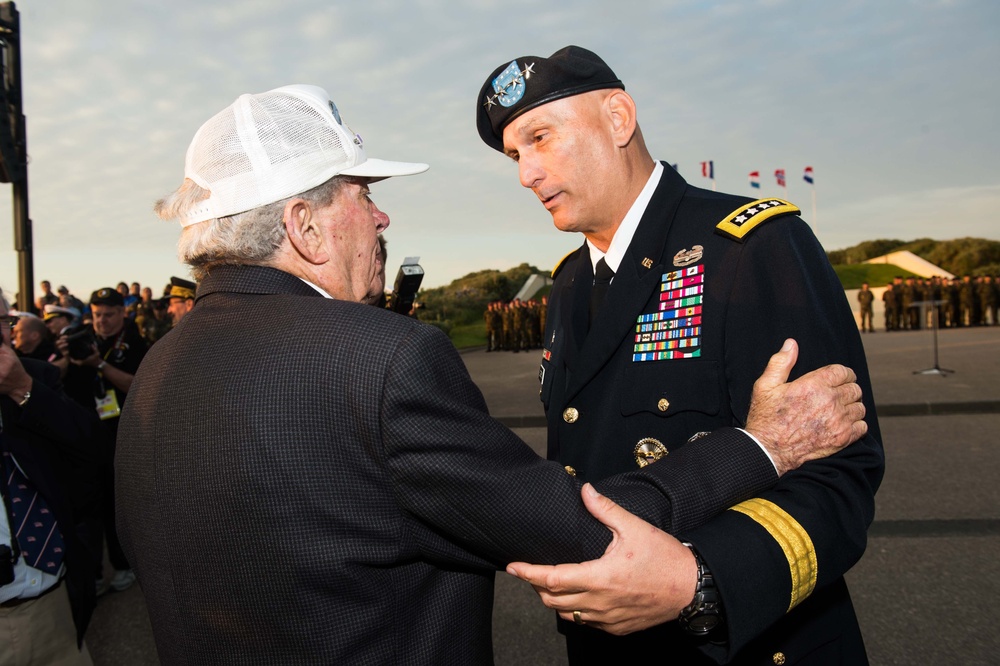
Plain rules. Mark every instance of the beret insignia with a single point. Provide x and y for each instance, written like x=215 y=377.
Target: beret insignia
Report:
x=746 y=218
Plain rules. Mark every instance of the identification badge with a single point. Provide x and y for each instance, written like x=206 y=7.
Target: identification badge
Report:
x=107 y=407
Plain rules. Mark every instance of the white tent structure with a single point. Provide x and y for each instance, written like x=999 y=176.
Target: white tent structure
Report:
x=912 y=263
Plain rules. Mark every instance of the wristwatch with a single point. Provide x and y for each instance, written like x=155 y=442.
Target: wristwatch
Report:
x=704 y=613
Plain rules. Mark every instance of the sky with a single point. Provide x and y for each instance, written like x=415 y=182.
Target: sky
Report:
x=893 y=104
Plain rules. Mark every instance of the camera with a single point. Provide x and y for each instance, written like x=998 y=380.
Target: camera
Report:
x=81 y=343
x=408 y=280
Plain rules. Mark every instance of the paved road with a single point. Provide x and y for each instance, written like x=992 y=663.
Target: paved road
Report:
x=925 y=590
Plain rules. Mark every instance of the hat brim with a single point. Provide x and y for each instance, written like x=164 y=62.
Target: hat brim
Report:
x=379 y=169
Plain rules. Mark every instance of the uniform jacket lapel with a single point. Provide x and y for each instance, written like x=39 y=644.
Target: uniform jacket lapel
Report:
x=633 y=285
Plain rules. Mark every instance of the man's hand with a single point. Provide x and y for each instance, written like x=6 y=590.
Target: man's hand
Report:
x=14 y=379
x=645 y=577
x=813 y=417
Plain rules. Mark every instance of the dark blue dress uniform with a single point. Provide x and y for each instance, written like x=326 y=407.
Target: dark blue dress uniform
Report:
x=708 y=290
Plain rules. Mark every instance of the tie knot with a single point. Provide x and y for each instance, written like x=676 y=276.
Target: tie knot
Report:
x=603 y=272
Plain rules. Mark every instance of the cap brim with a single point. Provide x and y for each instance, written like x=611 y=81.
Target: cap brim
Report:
x=372 y=168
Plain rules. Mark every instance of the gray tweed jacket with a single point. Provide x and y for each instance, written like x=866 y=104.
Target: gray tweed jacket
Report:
x=305 y=480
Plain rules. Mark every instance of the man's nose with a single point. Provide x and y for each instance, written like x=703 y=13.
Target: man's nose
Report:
x=381 y=220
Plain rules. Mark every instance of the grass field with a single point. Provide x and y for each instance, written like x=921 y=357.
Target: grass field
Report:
x=470 y=335
x=876 y=275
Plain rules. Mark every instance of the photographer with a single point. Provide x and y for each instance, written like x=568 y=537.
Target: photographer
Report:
x=102 y=363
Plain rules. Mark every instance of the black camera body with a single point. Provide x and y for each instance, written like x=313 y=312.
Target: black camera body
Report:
x=408 y=280
x=81 y=343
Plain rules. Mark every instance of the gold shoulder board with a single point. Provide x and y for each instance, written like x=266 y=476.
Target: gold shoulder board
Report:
x=746 y=218
x=559 y=264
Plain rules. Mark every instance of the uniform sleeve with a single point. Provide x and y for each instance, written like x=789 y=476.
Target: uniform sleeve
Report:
x=486 y=498
x=769 y=553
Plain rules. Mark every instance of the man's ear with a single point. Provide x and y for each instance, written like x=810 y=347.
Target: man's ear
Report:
x=621 y=110
x=303 y=231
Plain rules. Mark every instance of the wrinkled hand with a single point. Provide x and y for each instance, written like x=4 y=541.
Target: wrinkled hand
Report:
x=14 y=379
x=645 y=577
x=813 y=417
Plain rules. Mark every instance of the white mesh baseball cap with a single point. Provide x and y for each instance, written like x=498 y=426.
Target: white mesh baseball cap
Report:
x=267 y=147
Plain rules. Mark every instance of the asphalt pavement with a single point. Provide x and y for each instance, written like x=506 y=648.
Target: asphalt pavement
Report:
x=925 y=590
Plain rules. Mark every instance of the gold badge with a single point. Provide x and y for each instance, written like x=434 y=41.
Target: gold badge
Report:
x=649 y=450
x=647 y=262
x=687 y=257
x=570 y=415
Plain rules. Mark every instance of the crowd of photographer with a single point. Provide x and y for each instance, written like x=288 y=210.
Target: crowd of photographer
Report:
x=65 y=371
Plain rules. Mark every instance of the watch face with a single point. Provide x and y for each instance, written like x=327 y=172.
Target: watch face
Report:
x=702 y=624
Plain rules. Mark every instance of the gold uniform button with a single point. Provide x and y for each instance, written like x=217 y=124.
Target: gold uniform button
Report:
x=778 y=658
x=570 y=470
x=570 y=415
x=663 y=404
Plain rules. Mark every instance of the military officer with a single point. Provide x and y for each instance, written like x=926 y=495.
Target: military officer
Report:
x=657 y=327
x=865 y=298
x=180 y=298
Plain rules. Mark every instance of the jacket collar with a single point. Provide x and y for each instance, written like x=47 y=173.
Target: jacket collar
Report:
x=262 y=280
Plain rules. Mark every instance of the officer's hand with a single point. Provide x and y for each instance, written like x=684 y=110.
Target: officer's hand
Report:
x=644 y=578
x=813 y=417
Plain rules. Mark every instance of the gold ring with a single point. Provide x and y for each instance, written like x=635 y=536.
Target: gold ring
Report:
x=577 y=618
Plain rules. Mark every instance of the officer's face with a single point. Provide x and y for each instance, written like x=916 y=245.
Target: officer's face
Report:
x=350 y=227
x=564 y=151
x=56 y=324
x=179 y=307
x=108 y=319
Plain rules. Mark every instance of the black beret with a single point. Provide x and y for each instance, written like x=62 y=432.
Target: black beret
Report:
x=531 y=81
x=106 y=296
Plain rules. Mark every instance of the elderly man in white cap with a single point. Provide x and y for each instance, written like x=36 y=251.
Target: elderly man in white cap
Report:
x=302 y=478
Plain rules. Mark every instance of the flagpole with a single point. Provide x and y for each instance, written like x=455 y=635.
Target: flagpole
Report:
x=815 y=217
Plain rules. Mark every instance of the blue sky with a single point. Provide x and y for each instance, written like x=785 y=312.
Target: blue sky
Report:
x=894 y=105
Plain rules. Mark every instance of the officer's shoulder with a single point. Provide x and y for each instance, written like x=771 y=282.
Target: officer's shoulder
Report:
x=749 y=215
x=567 y=259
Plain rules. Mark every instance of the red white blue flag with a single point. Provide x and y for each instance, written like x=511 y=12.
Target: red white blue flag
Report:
x=779 y=174
x=755 y=179
x=808 y=175
x=708 y=169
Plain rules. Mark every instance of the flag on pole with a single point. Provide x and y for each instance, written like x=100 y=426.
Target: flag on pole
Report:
x=755 y=179
x=779 y=174
x=808 y=175
x=708 y=169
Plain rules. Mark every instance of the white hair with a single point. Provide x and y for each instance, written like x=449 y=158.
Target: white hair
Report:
x=251 y=237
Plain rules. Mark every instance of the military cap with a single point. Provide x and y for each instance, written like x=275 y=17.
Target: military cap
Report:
x=531 y=81
x=106 y=296
x=53 y=311
x=181 y=288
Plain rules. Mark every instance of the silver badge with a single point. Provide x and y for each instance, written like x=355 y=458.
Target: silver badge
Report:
x=687 y=257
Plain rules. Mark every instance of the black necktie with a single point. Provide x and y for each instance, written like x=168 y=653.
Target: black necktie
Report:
x=602 y=280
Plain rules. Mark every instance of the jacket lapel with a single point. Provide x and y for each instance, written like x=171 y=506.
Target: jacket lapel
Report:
x=634 y=284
